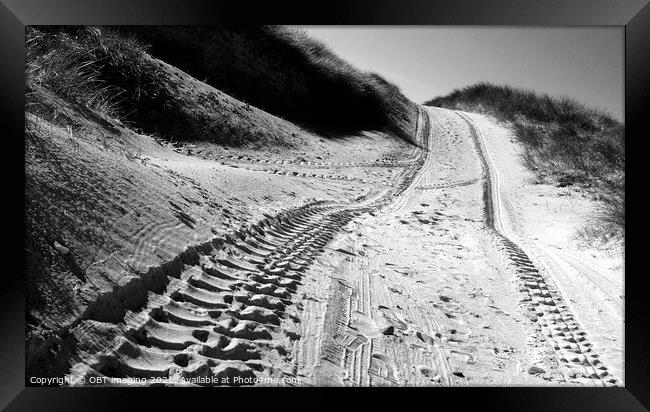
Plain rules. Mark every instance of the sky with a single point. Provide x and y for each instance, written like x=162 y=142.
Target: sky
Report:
x=586 y=63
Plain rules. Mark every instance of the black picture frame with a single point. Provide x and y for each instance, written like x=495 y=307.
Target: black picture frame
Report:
x=634 y=15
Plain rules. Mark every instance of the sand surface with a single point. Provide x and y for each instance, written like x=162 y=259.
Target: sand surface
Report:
x=361 y=261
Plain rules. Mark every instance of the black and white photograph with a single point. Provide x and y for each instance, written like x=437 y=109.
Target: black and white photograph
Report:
x=324 y=206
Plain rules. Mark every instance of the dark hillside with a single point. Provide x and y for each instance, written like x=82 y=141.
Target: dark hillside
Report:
x=285 y=73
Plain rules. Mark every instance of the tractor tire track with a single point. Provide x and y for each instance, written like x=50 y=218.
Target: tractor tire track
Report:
x=387 y=162
x=220 y=312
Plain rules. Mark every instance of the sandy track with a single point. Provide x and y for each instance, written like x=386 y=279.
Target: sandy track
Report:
x=432 y=290
x=546 y=221
x=543 y=300
x=418 y=282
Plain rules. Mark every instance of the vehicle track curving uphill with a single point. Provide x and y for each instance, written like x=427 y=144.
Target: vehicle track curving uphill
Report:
x=542 y=301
